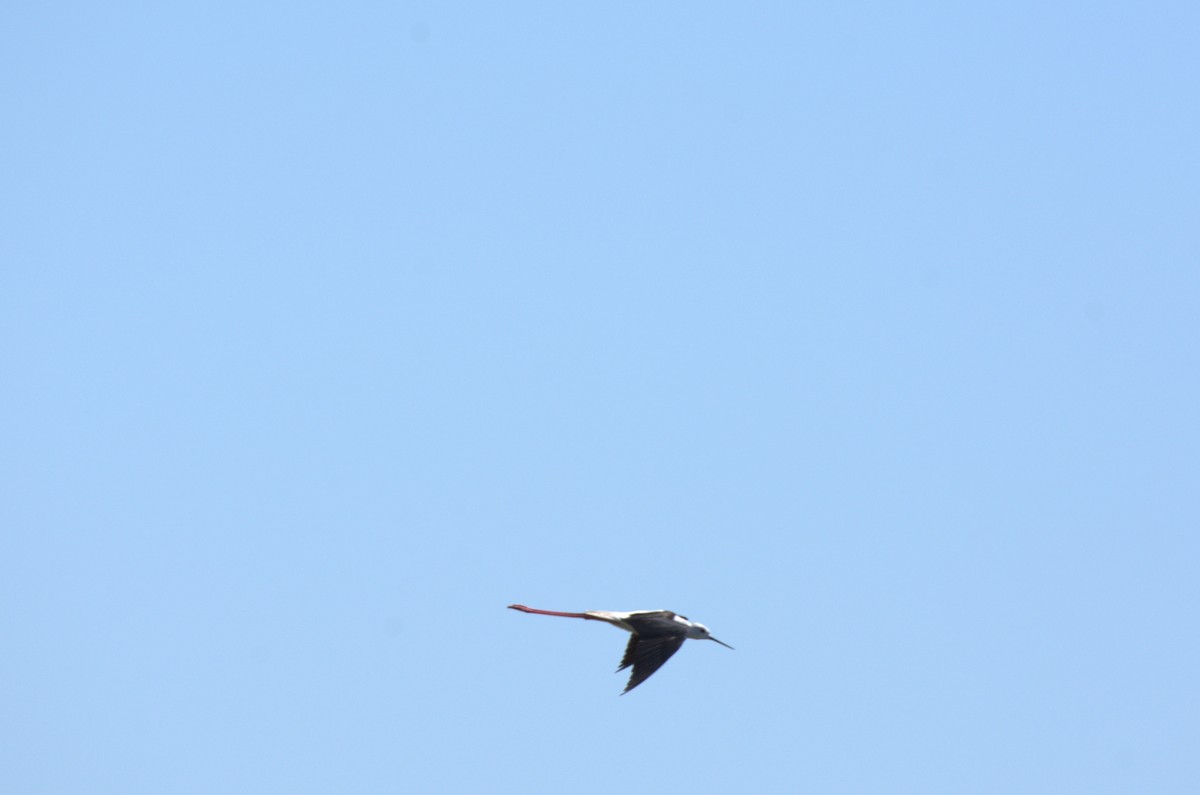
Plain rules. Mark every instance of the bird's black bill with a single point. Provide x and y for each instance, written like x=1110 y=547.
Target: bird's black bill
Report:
x=723 y=643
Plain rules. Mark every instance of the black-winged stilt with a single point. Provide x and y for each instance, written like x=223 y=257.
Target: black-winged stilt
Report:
x=657 y=634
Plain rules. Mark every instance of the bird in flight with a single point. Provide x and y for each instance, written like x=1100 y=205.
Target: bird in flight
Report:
x=657 y=634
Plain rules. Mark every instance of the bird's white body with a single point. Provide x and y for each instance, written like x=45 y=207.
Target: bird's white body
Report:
x=623 y=620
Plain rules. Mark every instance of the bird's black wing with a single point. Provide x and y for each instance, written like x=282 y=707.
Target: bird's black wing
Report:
x=648 y=624
x=647 y=655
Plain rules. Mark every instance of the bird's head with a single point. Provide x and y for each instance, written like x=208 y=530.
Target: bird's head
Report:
x=700 y=632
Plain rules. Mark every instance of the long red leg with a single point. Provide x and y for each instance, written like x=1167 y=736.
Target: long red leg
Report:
x=525 y=609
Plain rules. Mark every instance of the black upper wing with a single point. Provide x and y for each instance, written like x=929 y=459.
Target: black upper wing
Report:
x=647 y=655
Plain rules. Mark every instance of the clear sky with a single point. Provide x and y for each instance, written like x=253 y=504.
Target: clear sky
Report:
x=867 y=334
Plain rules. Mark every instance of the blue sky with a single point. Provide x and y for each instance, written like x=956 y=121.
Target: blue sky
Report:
x=864 y=333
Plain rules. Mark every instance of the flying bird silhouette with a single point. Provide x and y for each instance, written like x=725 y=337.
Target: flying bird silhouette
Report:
x=657 y=634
